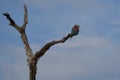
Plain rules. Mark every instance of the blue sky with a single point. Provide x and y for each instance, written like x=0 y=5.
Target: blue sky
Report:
x=92 y=55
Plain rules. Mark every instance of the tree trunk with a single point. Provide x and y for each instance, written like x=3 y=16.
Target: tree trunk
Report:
x=33 y=70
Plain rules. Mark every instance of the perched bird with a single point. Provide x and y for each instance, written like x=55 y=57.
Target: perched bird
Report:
x=75 y=30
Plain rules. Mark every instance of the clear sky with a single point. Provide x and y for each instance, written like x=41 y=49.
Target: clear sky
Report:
x=92 y=55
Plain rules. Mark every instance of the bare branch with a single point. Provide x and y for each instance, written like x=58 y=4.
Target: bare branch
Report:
x=25 y=17
x=9 y=18
x=21 y=30
x=12 y=22
x=48 y=45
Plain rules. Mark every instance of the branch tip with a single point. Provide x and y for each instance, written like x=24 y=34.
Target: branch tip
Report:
x=6 y=14
x=25 y=17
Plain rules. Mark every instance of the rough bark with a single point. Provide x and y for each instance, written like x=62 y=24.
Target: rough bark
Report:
x=32 y=59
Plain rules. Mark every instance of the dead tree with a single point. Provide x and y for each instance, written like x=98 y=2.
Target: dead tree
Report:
x=32 y=58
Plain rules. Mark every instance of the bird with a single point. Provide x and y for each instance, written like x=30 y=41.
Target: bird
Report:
x=75 y=30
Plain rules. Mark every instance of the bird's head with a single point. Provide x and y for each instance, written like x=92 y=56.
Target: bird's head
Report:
x=76 y=25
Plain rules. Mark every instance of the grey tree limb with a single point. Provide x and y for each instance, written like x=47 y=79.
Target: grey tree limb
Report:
x=42 y=51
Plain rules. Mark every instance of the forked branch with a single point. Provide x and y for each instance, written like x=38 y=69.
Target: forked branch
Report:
x=21 y=30
x=32 y=58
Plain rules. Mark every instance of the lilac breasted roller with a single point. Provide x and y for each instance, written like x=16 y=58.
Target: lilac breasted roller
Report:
x=75 y=30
